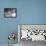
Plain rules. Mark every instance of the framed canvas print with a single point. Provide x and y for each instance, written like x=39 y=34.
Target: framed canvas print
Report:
x=10 y=12
x=32 y=32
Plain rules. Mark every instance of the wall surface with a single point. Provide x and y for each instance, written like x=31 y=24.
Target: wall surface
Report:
x=28 y=12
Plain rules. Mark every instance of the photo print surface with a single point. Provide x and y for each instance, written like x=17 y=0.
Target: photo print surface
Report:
x=10 y=12
x=33 y=32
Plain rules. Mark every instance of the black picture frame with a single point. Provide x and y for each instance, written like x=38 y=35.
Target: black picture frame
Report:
x=10 y=12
